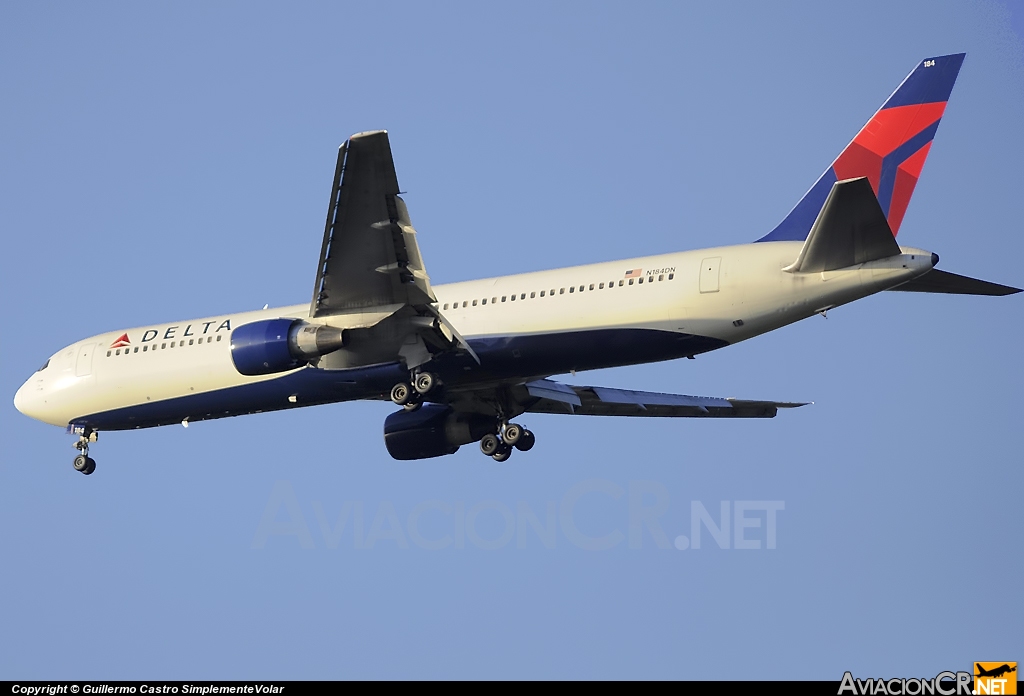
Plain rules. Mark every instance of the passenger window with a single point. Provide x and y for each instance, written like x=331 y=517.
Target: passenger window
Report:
x=494 y=300
x=561 y=291
x=601 y=286
x=542 y=293
x=620 y=283
x=630 y=281
x=503 y=298
x=474 y=303
x=661 y=278
x=671 y=276
x=117 y=352
x=533 y=295
x=465 y=303
x=190 y=342
x=164 y=345
x=218 y=337
x=641 y=281
x=523 y=296
x=445 y=305
x=572 y=289
x=145 y=348
x=581 y=288
x=513 y=298
x=591 y=286
x=108 y=355
x=552 y=291
x=136 y=349
x=484 y=301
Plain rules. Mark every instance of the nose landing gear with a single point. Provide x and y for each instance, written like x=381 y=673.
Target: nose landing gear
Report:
x=83 y=462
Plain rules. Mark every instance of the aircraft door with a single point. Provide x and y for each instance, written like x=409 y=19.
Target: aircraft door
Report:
x=83 y=364
x=709 y=274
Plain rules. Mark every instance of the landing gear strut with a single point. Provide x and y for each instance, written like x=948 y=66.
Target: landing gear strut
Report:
x=83 y=462
x=411 y=395
x=512 y=436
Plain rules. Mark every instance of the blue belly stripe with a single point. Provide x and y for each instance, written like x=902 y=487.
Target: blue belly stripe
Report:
x=502 y=358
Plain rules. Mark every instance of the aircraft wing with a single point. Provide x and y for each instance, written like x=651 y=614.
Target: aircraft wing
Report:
x=554 y=397
x=369 y=257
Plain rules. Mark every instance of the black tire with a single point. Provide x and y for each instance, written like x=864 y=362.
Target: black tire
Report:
x=513 y=433
x=412 y=406
x=81 y=463
x=400 y=393
x=503 y=453
x=489 y=444
x=423 y=383
x=91 y=467
x=526 y=441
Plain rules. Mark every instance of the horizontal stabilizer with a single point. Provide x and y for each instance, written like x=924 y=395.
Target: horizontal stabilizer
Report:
x=953 y=284
x=850 y=229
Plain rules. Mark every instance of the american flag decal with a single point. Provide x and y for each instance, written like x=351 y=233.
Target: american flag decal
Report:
x=635 y=273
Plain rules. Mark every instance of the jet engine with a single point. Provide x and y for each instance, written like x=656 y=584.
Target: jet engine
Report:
x=431 y=431
x=276 y=345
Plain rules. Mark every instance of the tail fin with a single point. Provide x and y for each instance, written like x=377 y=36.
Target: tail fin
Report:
x=889 y=150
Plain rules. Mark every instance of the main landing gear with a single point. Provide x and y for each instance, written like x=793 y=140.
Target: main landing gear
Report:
x=83 y=462
x=512 y=435
x=411 y=395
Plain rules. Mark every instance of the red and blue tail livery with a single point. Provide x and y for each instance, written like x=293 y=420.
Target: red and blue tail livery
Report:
x=889 y=150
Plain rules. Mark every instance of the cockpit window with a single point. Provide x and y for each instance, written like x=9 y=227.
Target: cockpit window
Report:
x=45 y=365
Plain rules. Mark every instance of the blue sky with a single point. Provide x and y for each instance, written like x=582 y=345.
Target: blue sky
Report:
x=166 y=161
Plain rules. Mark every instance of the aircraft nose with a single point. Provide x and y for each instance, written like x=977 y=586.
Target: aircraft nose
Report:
x=20 y=398
x=27 y=401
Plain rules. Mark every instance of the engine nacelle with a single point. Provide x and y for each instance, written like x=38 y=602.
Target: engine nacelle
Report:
x=431 y=431
x=276 y=345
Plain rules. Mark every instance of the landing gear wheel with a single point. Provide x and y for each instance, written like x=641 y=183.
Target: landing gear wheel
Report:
x=489 y=444
x=503 y=453
x=85 y=464
x=424 y=382
x=526 y=441
x=513 y=433
x=401 y=393
x=411 y=406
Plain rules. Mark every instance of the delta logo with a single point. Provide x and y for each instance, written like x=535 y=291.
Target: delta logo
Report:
x=995 y=678
x=121 y=341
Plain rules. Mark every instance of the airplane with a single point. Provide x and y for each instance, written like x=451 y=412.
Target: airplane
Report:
x=995 y=672
x=462 y=360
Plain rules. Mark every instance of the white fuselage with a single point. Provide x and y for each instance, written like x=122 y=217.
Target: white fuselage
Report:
x=727 y=294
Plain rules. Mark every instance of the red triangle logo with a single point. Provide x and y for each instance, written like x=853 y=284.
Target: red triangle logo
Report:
x=121 y=342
